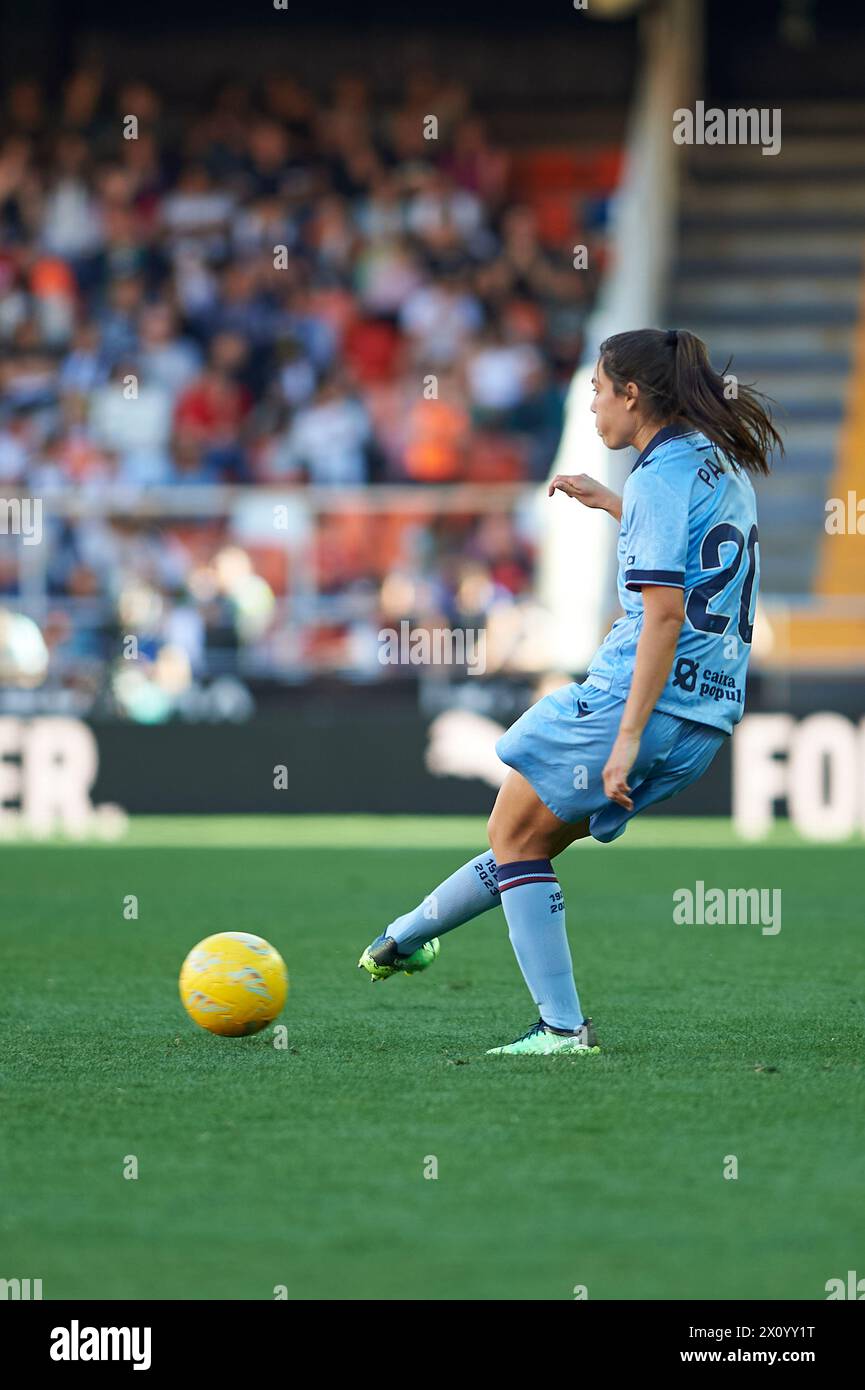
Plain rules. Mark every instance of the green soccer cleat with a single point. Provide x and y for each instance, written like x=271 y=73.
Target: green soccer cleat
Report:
x=381 y=959
x=541 y=1041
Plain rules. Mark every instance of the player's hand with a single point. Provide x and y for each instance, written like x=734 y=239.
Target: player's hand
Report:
x=619 y=763
x=586 y=490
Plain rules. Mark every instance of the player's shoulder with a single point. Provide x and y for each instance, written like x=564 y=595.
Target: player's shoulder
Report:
x=674 y=451
x=677 y=458
x=666 y=465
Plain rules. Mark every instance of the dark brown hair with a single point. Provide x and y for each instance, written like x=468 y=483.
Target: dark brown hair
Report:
x=673 y=371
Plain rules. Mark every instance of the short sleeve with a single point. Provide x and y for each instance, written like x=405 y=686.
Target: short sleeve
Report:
x=656 y=521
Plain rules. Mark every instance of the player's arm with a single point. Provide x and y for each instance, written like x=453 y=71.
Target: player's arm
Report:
x=588 y=491
x=663 y=615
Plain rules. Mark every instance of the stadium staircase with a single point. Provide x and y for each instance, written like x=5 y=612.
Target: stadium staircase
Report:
x=769 y=272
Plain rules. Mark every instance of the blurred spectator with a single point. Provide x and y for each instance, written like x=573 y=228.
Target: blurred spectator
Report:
x=499 y=375
x=267 y=287
x=440 y=318
x=70 y=225
x=131 y=418
x=210 y=413
x=327 y=441
x=197 y=214
x=167 y=359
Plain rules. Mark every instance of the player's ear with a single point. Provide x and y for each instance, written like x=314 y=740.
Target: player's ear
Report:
x=632 y=395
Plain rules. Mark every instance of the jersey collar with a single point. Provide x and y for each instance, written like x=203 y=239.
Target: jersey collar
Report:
x=660 y=437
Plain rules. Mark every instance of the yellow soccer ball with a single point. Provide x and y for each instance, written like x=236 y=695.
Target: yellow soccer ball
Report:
x=233 y=983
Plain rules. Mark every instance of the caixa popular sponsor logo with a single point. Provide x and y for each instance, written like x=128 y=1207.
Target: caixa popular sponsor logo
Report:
x=719 y=685
x=689 y=677
x=47 y=768
x=816 y=767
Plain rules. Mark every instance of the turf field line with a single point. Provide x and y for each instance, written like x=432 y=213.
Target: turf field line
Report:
x=402 y=832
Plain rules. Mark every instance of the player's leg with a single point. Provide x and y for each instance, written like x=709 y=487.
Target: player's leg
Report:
x=522 y=827
x=525 y=836
x=405 y=944
x=402 y=946
x=561 y=732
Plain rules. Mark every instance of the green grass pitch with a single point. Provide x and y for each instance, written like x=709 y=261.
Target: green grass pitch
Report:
x=304 y=1167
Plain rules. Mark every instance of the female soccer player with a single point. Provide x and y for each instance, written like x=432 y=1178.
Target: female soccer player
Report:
x=663 y=691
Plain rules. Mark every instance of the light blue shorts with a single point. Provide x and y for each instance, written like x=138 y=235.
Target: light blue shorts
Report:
x=562 y=743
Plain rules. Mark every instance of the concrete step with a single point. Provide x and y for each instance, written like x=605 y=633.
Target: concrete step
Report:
x=762 y=341
x=806 y=155
x=787 y=243
x=794 y=532
x=790 y=570
x=728 y=266
x=769 y=291
x=780 y=170
x=788 y=488
x=769 y=198
x=809 y=436
x=820 y=118
x=789 y=526
x=790 y=412
x=797 y=366
x=818 y=386
x=805 y=315
x=772 y=221
x=814 y=463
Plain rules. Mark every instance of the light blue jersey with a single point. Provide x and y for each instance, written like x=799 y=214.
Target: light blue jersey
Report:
x=689 y=521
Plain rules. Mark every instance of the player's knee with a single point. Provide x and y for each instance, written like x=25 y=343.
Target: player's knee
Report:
x=493 y=831
x=500 y=836
x=510 y=844
x=514 y=829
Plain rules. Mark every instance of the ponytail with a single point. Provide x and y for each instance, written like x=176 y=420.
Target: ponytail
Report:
x=674 y=373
